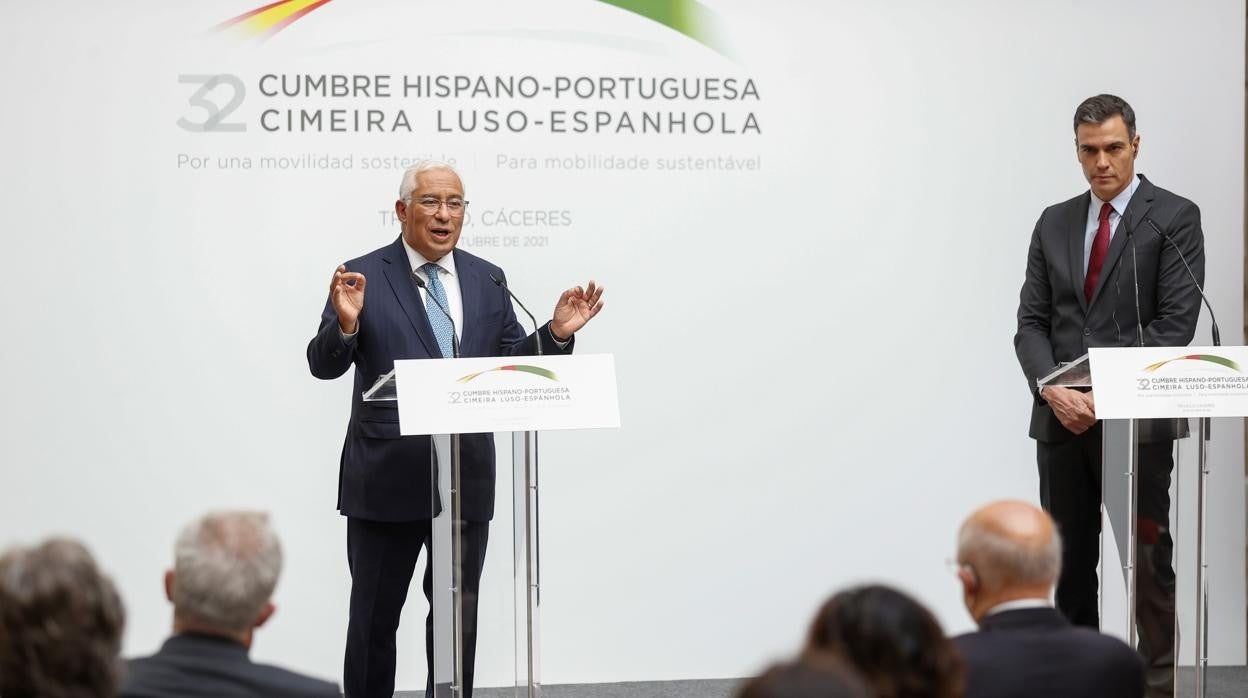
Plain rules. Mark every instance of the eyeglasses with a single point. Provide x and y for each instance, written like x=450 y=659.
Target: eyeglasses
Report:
x=430 y=204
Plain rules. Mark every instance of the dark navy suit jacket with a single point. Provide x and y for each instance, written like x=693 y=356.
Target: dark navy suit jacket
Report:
x=200 y=666
x=382 y=476
x=1037 y=653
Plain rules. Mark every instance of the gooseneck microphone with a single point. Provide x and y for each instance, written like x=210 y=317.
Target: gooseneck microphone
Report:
x=536 y=329
x=1213 y=320
x=1135 y=280
x=454 y=335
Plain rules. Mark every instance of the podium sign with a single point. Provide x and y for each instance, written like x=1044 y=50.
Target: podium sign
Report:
x=528 y=393
x=1148 y=382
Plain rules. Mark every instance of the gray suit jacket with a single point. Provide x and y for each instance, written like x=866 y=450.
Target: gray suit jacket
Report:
x=1056 y=323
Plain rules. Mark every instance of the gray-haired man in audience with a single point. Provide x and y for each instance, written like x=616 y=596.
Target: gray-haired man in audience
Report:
x=226 y=568
x=1009 y=558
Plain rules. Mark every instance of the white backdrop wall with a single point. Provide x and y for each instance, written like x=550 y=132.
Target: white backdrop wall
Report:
x=815 y=358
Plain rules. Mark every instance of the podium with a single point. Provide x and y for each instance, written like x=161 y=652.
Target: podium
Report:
x=1148 y=395
x=444 y=398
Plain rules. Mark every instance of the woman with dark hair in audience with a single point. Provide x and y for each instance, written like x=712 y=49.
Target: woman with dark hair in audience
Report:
x=809 y=677
x=896 y=645
x=60 y=624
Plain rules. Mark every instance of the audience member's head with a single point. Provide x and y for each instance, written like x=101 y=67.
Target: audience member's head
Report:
x=226 y=566
x=810 y=677
x=60 y=624
x=1007 y=550
x=896 y=645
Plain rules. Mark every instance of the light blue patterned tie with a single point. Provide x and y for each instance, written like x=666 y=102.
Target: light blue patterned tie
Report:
x=440 y=323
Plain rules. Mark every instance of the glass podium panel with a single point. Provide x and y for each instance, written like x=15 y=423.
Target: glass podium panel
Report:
x=1154 y=572
x=1070 y=374
x=1139 y=567
x=526 y=549
x=383 y=390
x=446 y=548
x=1204 y=486
x=1152 y=490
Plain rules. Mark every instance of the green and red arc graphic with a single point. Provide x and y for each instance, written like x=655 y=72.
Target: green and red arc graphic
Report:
x=688 y=17
x=1212 y=358
x=523 y=368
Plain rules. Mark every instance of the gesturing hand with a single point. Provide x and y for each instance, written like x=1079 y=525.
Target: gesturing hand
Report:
x=576 y=307
x=346 y=292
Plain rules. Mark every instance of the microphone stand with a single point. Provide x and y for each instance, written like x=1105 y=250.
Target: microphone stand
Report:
x=456 y=520
x=537 y=334
x=1202 y=459
x=527 y=511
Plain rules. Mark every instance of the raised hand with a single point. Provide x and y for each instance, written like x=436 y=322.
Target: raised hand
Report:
x=346 y=292
x=576 y=307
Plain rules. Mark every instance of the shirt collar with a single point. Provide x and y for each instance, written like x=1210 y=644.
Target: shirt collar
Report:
x=1119 y=202
x=1017 y=604
x=417 y=260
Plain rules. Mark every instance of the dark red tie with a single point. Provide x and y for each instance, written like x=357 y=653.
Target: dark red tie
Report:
x=1100 y=246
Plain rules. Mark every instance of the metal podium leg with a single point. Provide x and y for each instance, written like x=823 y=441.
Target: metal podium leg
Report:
x=447 y=552
x=1119 y=484
x=526 y=546
x=1202 y=578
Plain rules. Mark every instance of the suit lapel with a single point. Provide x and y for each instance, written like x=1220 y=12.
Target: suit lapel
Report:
x=469 y=277
x=1076 y=223
x=1137 y=208
x=399 y=275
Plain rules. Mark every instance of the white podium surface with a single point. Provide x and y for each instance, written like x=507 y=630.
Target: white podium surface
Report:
x=527 y=393
x=1150 y=382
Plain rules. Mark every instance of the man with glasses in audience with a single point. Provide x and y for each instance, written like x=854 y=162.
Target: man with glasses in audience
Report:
x=384 y=483
x=1009 y=559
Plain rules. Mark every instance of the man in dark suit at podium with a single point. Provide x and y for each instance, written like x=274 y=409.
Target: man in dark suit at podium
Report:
x=1009 y=556
x=384 y=481
x=1079 y=292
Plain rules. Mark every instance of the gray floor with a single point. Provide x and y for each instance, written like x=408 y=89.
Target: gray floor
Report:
x=1224 y=682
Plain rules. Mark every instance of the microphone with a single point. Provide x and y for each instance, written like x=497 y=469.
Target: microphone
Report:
x=454 y=338
x=1135 y=280
x=1217 y=335
x=536 y=329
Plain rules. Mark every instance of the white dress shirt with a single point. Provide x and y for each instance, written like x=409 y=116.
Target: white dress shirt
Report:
x=450 y=283
x=1017 y=604
x=1094 y=217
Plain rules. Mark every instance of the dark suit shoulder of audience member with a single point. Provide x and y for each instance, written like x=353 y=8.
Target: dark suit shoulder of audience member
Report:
x=810 y=677
x=894 y=643
x=226 y=565
x=202 y=666
x=1009 y=559
x=1037 y=652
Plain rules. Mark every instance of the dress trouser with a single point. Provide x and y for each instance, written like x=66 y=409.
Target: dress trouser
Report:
x=1070 y=490
x=382 y=557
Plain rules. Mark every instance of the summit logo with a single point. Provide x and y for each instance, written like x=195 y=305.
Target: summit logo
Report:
x=687 y=17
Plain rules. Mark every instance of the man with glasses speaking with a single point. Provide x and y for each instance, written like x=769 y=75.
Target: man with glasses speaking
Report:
x=377 y=312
